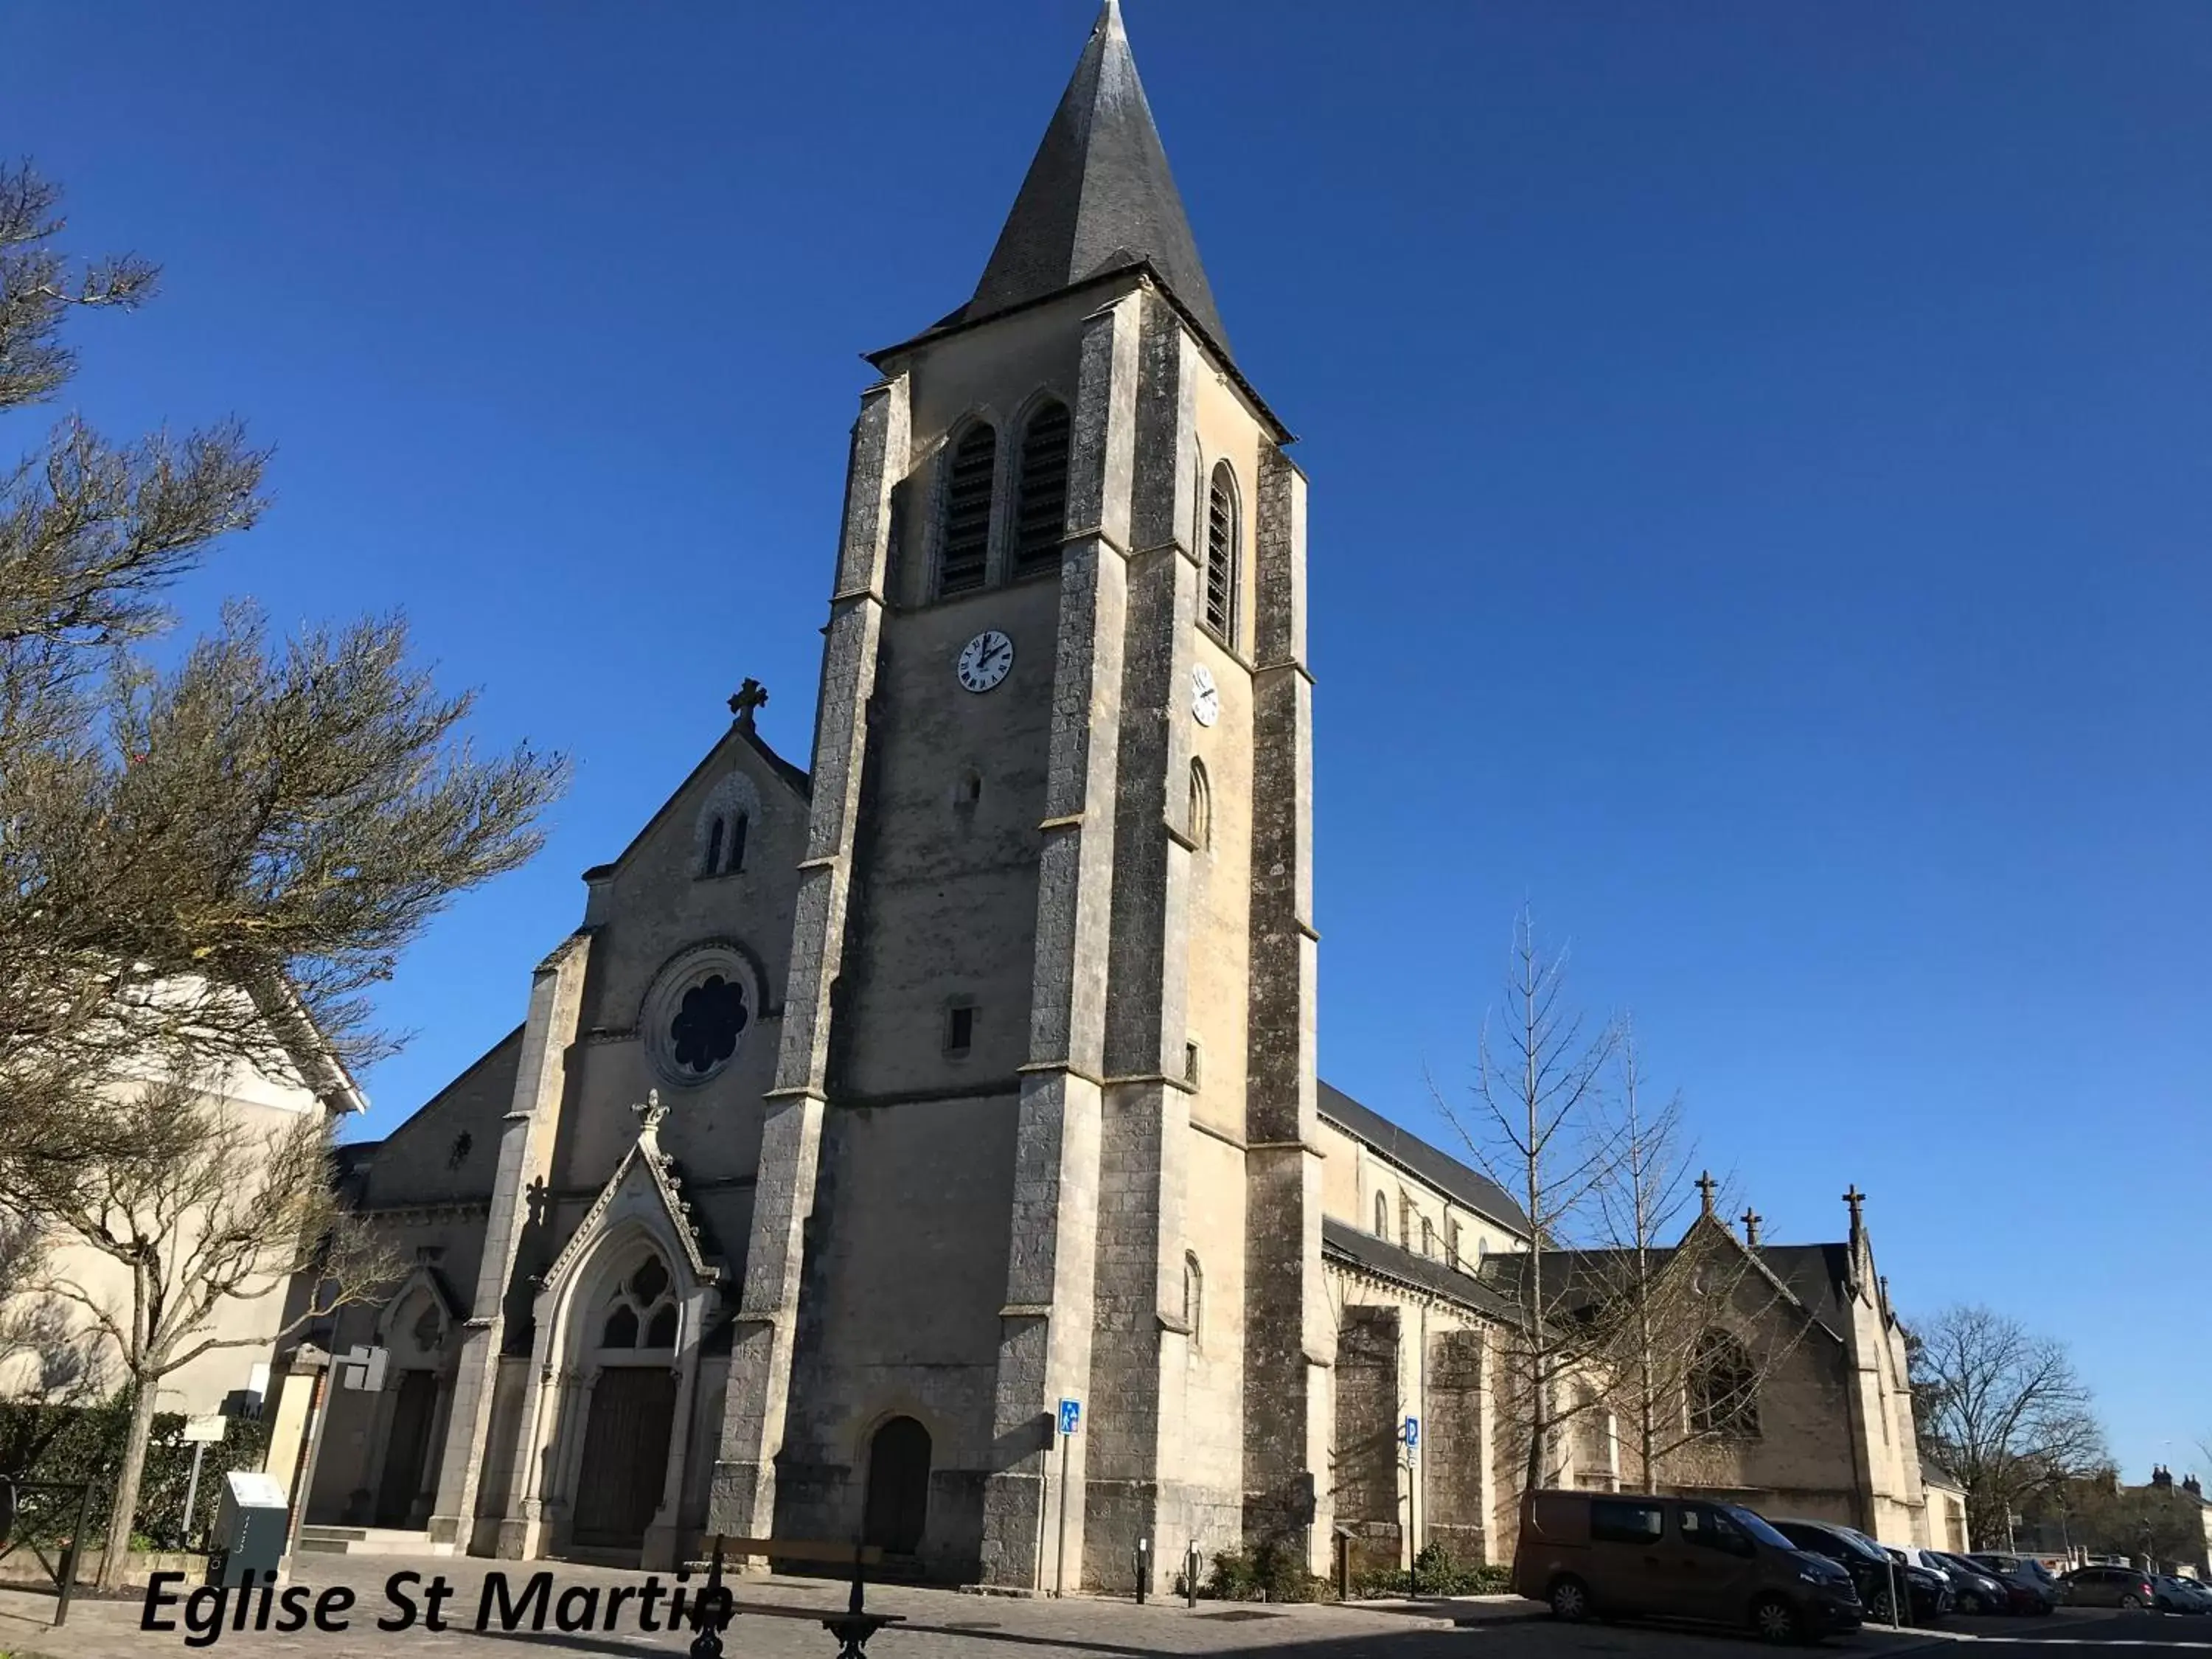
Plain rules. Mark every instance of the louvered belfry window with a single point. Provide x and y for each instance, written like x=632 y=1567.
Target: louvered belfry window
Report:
x=1221 y=546
x=966 y=559
x=1041 y=518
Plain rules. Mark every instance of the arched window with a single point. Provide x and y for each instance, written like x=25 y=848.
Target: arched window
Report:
x=1382 y=1216
x=1040 y=497
x=738 y=825
x=1201 y=806
x=965 y=561
x=714 y=849
x=1405 y=1222
x=1723 y=1389
x=1193 y=1294
x=1223 y=541
x=1428 y=1236
x=643 y=1305
x=1451 y=1242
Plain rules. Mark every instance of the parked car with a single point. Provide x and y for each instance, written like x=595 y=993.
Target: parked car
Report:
x=1927 y=1598
x=1623 y=1555
x=2176 y=1595
x=2025 y=1570
x=2108 y=1587
x=1982 y=1587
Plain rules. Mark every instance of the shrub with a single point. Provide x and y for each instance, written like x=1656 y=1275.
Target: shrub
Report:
x=1269 y=1573
x=85 y=1442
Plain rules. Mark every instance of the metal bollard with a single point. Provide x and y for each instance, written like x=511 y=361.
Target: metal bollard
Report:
x=1144 y=1567
x=708 y=1643
x=1190 y=1575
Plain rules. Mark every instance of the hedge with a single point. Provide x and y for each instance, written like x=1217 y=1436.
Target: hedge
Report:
x=77 y=1444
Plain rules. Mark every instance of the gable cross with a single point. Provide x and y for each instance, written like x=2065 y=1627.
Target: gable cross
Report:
x=750 y=696
x=649 y=1111
x=1706 y=1188
x=1857 y=1200
x=1751 y=1219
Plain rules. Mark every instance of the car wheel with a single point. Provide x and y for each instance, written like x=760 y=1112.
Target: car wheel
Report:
x=2131 y=1604
x=1570 y=1601
x=1774 y=1620
x=1878 y=1607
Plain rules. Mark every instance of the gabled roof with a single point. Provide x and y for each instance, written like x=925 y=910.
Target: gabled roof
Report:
x=794 y=777
x=1408 y=1150
x=1099 y=196
x=1818 y=1275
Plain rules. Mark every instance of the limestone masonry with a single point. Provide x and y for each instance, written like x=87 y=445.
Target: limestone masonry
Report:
x=875 y=1108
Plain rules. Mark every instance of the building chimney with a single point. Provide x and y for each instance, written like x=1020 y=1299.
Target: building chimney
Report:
x=2162 y=1478
x=2192 y=1485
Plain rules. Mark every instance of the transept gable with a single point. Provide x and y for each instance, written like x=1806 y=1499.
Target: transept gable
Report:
x=448 y=1148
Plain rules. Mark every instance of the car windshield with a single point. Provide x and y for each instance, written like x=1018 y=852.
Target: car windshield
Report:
x=1861 y=1545
x=1757 y=1527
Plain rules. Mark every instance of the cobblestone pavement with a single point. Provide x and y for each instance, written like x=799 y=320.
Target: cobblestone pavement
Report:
x=938 y=1624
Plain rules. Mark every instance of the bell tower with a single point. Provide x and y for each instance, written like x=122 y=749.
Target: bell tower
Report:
x=1043 y=1120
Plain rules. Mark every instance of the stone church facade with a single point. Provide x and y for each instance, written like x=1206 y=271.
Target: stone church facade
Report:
x=876 y=1107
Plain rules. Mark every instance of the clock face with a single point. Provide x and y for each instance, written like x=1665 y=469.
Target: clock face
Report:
x=984 y=661
x=1205 y=696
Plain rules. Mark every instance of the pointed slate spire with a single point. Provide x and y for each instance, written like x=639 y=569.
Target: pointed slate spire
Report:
x=1098 y=194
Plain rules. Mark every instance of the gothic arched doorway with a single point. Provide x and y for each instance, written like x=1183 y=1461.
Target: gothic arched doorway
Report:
x=898 y=1487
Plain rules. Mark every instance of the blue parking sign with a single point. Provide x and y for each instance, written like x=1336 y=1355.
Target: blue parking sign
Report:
x=1412 y=1431
x=1071 y=1416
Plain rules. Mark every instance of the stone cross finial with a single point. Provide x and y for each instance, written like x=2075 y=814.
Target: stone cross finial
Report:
x=1857 y=1200
x=1706 y=1188
x=1751 y=1219
x=649 y=1111
x=750 y=696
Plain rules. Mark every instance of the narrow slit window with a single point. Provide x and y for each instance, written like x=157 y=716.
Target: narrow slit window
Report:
x=964 y=563
x=1382 y=1216
x=959 y=1029
x=738 y=827
x=714 y=849
x=1201 y=807
x=1041 y=516
x=1222 y=540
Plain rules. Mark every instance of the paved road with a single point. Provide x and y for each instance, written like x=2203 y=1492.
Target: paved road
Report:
x=781 y=1624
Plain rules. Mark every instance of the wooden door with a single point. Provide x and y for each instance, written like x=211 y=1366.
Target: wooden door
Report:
x=406 y=1448
x=625 y=1455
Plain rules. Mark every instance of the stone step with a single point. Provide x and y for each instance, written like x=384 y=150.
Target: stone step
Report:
x=368 y=1540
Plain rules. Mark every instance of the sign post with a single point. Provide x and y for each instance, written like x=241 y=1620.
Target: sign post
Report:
x=1071 y=1419
x=1411 y=1434
x=201 y=1432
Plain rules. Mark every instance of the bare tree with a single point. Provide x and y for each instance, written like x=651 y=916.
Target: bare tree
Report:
x=1536 y=1125
x=205 y=1211
x=202 y=867
x=2001 y=1408
x=1693 y=1325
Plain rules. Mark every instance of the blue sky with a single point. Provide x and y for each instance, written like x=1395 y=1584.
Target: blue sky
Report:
x=1759 y=516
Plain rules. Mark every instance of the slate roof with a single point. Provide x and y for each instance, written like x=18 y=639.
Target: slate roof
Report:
x=1379 y=1255
x=1099 y=196
x=1818 y=1275
x=1405 y=1148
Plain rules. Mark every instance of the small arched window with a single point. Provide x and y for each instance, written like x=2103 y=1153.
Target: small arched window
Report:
x=1224 y=538
x=964 y=562
x=738 y=828
x=1201 y=807
x=1382 y=1216
x=1451 y=1242
x=643 y=1307
x=1193 y=1294
x=714 y=849
x=1723 y=1389
x=1428 y=1236
x=1041 y=495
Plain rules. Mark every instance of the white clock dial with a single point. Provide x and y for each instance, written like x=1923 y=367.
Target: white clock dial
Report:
x=984 y=661
x=1205 y=696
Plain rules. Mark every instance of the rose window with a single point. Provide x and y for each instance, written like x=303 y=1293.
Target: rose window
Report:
x=709 y=1019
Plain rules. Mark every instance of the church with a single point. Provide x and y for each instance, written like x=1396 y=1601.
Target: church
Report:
x=877 y=1108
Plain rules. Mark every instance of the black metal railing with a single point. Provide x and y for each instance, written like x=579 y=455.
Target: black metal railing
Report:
x=37 y=1532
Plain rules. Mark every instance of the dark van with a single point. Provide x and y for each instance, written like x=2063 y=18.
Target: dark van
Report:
x=1621 y=1555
